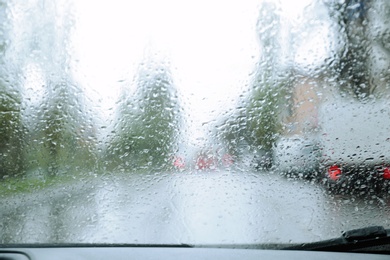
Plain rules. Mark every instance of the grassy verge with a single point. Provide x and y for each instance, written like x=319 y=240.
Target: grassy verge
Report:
x=13 y=186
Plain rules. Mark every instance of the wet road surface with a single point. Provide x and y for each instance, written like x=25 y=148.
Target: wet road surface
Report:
x=198 y=208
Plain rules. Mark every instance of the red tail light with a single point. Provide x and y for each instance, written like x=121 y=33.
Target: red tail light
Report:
x=334 y=172
x=386 y=173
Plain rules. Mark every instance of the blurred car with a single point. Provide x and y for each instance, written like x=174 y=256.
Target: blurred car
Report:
x=355 y=144
x=178 y=162
x=350 y=147
x=205 y=162
x=227 y=160
x=262 y=160
x=296 y=156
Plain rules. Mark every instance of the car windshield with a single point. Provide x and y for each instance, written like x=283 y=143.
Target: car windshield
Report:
x=193 y=122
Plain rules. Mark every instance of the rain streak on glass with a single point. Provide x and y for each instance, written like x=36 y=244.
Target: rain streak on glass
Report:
x=204 y=122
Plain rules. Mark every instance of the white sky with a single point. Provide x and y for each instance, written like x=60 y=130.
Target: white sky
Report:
x=212 y=46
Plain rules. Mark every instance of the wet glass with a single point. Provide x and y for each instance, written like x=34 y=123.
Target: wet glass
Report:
x=204 y=122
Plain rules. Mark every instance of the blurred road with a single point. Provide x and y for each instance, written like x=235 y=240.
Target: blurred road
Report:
x=197 y=208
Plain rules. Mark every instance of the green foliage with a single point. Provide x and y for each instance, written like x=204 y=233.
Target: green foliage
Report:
x=258 y=122
x=62 y=140
x=148 y=123
x=12 y=134
x=263 y=121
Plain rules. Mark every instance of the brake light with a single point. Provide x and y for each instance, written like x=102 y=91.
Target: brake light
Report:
x=334 y=172
x=386 y=173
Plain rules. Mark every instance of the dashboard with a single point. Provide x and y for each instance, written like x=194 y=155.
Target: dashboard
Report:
x=117 y=253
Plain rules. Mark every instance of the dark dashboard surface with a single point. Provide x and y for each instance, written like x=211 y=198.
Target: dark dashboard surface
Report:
x=170 y=253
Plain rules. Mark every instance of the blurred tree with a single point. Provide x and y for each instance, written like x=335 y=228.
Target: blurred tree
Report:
x=60 y=130
x=364 y=56
x=268 y=87
x=148 y=124
x=352 y=70
x=258 y=121
x=66 y=133
x=11 y=133
x=11 y=127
